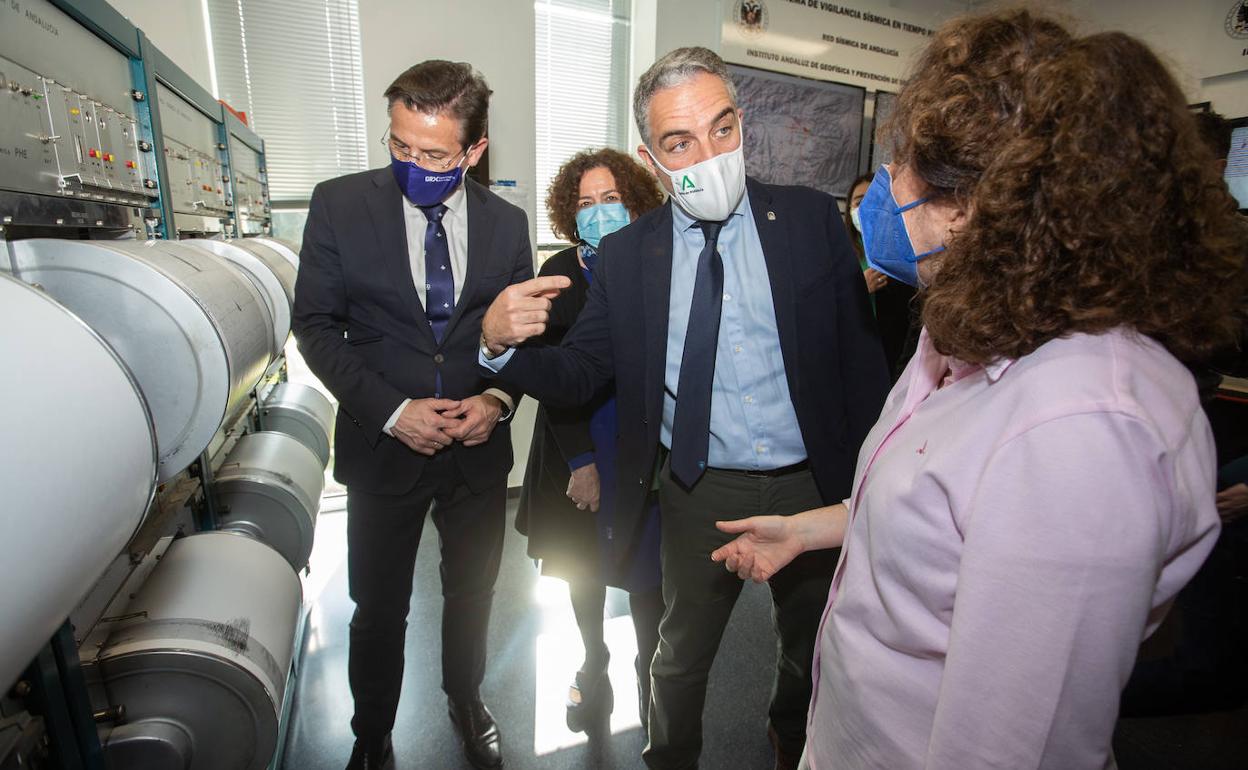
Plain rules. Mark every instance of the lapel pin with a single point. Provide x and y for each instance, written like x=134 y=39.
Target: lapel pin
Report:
x=771 y=216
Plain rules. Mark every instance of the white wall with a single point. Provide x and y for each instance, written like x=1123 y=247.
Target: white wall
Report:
x=1178 y=32
x=177 y=29
x=496 y=37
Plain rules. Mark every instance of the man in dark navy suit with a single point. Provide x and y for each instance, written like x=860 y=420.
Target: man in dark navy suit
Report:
x=747 y=368
x=397 y=269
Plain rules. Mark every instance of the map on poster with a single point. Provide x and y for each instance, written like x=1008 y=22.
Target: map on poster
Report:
x=881 y=149
x=800 y=131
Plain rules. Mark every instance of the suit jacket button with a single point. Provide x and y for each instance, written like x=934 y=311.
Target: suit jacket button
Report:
x=438 y=358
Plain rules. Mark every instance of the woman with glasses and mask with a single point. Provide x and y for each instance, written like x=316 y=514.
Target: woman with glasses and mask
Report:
x=1040 y=483
x=566 y=506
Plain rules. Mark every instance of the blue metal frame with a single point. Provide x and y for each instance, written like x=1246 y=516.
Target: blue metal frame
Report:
x=149 y=126
x=59 y=695
x=74 y=684
x=58 y=686
x=292 y=681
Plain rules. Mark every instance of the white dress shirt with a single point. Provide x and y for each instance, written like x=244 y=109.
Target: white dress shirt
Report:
x=455 y=223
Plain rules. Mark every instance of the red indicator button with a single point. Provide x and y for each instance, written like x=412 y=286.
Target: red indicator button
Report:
x=93 y=153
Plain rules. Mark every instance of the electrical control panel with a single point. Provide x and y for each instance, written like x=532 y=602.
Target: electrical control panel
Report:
x=193 y=158
x=68 y=123
x=251 y=187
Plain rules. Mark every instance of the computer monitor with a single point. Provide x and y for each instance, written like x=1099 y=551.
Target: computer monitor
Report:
x=1237 y=162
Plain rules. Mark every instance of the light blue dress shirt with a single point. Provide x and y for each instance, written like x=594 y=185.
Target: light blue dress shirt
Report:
x=753 y=423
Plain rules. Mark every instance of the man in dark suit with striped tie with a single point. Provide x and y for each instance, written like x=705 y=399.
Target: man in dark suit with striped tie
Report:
x=397 y=268
x=735 y=324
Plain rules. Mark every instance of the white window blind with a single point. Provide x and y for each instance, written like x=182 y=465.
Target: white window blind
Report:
x=582 y=85
x=294 y=67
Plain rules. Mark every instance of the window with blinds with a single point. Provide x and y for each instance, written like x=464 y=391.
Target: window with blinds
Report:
x=582 y=85
x=294 y=67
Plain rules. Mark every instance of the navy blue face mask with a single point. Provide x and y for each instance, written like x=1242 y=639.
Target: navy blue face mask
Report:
x=884 y=235
x=424 y=187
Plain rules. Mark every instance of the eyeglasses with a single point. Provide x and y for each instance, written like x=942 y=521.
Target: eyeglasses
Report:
x=426 y=161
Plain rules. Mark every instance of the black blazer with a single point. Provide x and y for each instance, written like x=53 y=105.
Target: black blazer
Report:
x=833 y=361
x=362 y=329
x=565 y=537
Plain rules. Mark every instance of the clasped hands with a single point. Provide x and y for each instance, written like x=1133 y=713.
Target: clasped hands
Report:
x=429 y=425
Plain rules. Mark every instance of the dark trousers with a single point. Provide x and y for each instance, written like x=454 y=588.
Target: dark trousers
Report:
x=700 y=595
x=1208 y=670
x=383 y=533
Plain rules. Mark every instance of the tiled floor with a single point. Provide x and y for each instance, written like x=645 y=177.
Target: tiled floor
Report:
x=534 y=650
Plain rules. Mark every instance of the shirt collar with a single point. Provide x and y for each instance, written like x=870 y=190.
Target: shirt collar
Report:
x=454 y=204
x=997 y=368
x=685 y=222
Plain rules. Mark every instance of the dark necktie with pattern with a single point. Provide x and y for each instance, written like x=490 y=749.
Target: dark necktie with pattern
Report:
x=439 y=279
x=691 y=428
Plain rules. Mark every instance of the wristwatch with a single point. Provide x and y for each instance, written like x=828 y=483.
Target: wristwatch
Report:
x=485 y=350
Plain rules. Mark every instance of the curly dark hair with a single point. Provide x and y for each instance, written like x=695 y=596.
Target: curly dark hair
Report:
x=638 y=188
x=1092 y=201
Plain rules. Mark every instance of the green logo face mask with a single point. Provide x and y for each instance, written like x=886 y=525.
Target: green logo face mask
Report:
x=708 y=190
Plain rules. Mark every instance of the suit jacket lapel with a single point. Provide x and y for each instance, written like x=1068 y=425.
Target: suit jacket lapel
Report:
x=481 y=224
x=773 y=234
x=656 y=276
x=385 y=207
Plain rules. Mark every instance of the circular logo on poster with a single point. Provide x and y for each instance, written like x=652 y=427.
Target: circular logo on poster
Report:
x=751 y=16
x=1237 y=20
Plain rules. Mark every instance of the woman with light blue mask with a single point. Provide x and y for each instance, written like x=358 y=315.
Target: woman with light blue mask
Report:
x=566 y=506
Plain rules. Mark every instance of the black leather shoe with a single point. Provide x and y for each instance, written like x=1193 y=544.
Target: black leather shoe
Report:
x=590 y=699
x=477 y=729
x=368 y=755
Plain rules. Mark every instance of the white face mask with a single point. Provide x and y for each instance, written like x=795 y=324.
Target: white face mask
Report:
x=853 y=217
x=710 y=190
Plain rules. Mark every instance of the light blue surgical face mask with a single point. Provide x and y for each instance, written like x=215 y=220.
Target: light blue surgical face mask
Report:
x=593 y=223
x=884 y=235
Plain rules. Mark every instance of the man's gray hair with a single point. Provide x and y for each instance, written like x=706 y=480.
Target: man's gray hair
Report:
x=673 y=69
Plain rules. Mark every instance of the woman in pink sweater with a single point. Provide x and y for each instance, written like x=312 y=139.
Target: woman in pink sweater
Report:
x=1040 y=482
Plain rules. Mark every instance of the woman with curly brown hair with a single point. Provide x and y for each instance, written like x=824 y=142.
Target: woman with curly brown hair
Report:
x=1040 y=482
x=566 y=503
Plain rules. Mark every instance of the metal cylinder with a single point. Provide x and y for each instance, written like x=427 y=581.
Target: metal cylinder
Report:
x=189 y=326
x=270 y=488
x=201 y=664
x=269 y=272
x=77 y=466
x=288 y=250
x=303 y=412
